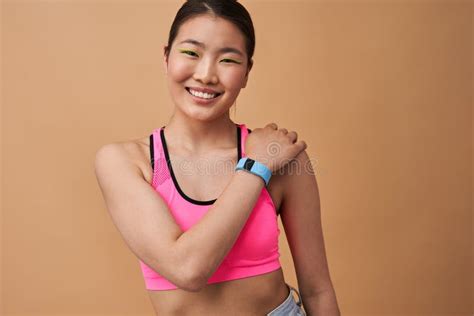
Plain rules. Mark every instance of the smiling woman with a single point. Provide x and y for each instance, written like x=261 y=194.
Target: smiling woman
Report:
x=208 y=244
x=206 y=64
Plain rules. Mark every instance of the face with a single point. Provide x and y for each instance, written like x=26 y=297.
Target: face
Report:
x=207 y=55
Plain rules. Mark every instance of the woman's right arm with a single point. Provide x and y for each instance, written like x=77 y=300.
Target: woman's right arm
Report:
x=186 y=259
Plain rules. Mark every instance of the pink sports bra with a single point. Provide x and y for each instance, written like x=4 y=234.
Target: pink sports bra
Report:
x=255 y=250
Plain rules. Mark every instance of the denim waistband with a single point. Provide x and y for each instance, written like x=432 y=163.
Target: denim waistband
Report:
x=289 y=307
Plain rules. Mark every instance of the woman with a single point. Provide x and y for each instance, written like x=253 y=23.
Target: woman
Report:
x=208 y=243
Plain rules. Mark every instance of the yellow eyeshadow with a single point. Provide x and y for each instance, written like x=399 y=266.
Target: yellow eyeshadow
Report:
x=186 y=50
x=190 y=51
x=233 y=60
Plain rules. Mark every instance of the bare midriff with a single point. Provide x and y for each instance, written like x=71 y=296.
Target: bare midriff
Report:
x=257 y=295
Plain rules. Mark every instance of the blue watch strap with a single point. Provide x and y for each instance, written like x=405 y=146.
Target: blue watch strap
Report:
x=255 y=167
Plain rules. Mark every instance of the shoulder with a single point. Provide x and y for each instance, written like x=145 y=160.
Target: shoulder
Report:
x=134 y=152
x=298 y=173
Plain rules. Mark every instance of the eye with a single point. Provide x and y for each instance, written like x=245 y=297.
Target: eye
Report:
x=226 y=60
x=189 y=52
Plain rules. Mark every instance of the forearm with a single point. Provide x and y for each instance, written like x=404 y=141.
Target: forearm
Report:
x=205 y=245
x=323 y=303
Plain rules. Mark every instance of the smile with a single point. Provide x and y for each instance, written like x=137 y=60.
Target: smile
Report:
x=201 y=95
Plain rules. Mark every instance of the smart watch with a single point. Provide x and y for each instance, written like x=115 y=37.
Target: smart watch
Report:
x=255 y=167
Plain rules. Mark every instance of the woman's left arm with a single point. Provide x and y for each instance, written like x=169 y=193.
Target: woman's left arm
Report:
x=301 y=218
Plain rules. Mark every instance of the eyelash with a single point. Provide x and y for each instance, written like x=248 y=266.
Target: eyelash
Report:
x=189 y=51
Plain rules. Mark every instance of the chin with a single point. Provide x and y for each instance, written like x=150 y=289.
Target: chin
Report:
x=205 y=115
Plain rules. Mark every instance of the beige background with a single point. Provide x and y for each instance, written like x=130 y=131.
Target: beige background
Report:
x=381 y=91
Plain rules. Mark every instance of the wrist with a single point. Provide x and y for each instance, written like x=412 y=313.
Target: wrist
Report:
x=248 y=175
x=261 y=160
x=257 y=168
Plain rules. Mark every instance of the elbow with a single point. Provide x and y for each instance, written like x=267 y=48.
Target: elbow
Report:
x=194 y=284
x=191 y=280
x=189 y=276
x=193 y=271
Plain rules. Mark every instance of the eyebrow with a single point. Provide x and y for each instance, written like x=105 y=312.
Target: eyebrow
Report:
x=222 y=50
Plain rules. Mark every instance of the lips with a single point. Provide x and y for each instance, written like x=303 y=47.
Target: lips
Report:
x=208 y=91
x=204 y=90
x=201 y=100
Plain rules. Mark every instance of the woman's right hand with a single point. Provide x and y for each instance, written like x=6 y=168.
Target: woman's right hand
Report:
x=272 y=146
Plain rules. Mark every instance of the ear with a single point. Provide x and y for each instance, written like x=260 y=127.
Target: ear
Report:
x=165 y=59
x=247 y=74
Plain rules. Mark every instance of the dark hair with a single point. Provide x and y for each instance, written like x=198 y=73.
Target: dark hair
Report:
x=230 y=10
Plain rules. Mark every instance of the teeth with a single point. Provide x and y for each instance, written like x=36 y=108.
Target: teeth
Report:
x=202 y=95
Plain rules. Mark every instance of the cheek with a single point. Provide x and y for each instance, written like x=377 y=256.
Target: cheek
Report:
x=233 y=79
x=179 y=71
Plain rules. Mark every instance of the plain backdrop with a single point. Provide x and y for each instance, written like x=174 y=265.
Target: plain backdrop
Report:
x=381 y=91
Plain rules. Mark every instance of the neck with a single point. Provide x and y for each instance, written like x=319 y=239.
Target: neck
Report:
x=201 y=136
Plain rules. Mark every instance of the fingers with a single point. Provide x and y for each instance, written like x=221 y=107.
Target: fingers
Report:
x=293 y=136
x=272 y=125
x=302 y=145
x=299 y=147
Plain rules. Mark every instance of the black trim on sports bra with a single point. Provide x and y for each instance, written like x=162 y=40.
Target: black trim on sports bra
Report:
x=152 y=154
x=175 y=181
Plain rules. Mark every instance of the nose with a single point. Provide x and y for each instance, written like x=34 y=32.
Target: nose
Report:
x=205 y=72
